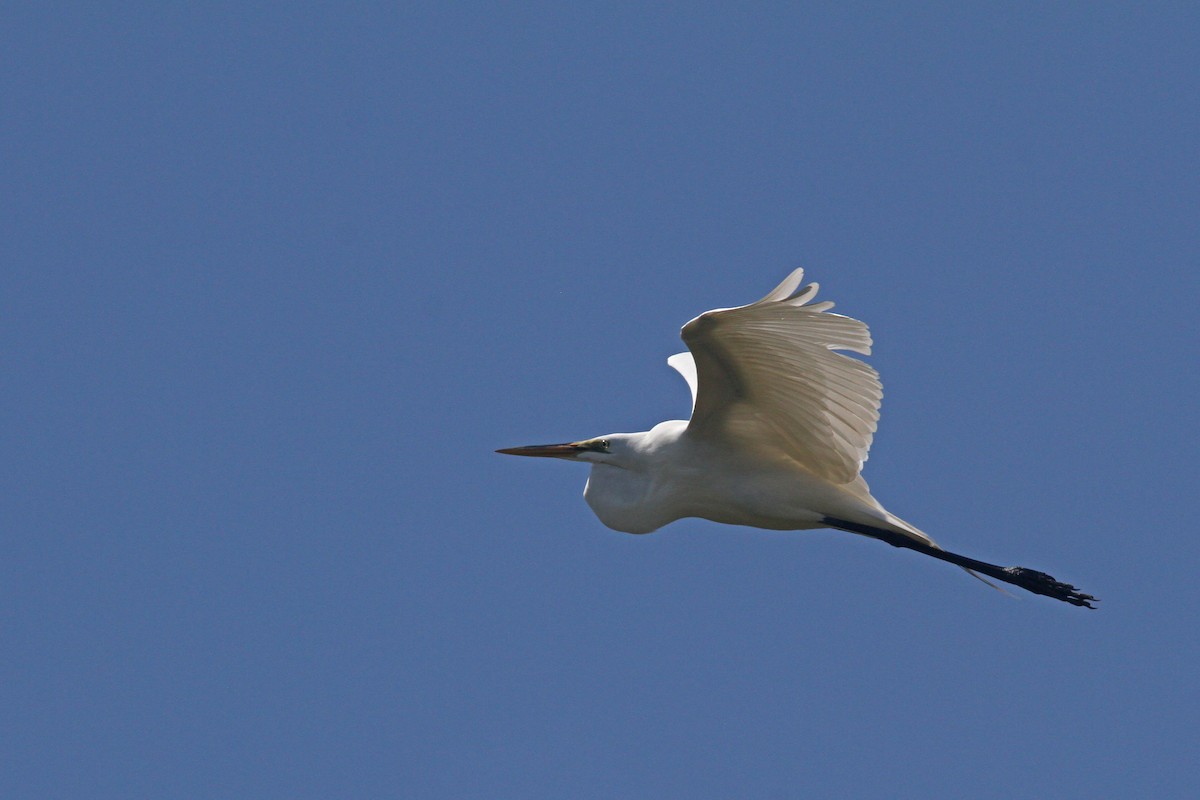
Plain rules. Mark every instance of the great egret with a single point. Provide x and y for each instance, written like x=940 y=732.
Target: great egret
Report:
x=780 y=428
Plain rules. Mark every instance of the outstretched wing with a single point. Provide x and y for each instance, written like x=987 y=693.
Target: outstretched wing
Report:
x=766 y=376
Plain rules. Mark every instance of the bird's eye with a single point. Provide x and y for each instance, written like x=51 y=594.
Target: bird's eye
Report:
x=602 y=446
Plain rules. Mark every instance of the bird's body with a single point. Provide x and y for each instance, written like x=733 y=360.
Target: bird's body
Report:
x=781 y=425
x=678 y=476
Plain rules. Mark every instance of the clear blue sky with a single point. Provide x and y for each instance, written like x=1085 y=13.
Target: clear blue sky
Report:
x=278 y=280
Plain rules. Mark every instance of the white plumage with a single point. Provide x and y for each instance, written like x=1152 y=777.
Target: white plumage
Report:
x=768 y=374
x=781 y=425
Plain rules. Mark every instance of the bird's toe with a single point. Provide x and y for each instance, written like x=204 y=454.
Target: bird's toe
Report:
x=1041 y=583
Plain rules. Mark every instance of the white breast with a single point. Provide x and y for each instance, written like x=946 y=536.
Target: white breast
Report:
x=623 y=500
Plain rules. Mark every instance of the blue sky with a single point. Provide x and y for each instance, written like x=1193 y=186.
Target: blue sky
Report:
x=278 y=280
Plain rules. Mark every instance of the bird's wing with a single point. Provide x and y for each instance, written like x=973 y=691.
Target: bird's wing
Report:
x=768 y=377
x=685 y=365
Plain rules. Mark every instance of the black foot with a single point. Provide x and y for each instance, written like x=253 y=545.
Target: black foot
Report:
x=1041 y=583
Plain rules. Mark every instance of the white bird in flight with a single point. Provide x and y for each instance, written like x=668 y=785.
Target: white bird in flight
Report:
x=780 y=428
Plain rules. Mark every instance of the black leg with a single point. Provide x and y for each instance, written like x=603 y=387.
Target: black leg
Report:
x=1028 y=579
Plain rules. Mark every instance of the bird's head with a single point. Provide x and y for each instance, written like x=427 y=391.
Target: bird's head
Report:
x=601 y=450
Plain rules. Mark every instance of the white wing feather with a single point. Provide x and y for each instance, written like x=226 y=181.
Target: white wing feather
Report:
x=766 y=374
x=685 y=365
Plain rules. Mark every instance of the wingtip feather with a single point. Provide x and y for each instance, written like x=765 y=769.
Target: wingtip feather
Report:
x=785 y=289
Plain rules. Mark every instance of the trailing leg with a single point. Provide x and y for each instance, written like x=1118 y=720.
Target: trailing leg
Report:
x=1029 y=579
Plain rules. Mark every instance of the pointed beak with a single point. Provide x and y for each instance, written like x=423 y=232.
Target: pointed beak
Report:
x=568 y=450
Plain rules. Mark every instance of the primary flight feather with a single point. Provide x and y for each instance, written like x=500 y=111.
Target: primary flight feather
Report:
x=781 y=425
